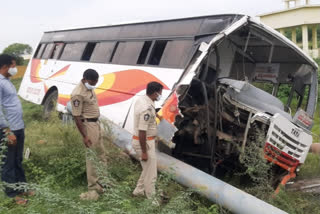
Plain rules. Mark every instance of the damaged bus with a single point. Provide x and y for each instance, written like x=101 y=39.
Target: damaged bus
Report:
x=222 y=78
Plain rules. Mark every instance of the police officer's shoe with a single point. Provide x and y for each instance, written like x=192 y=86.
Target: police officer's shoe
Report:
x=137 y=194
x=91 y=195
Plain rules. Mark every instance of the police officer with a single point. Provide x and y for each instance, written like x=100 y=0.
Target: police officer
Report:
x=143 y=142
x=85 y=110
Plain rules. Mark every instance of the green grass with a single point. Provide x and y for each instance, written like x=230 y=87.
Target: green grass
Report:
x=316 y=126
x=311 y=167
x=56 y=169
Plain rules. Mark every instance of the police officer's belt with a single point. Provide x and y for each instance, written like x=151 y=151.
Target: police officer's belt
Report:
x=90 y=120
x=148 y=138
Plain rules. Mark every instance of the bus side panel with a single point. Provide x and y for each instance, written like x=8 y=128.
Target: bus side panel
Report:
x=32 y=87
x=117 y=87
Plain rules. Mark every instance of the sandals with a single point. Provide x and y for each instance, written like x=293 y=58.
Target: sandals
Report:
x=20 y=201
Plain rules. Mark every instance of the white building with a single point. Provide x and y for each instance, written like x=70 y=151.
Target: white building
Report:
x=297 y=14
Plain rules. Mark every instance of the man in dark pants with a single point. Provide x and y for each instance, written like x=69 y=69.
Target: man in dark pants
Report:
x=11 y=129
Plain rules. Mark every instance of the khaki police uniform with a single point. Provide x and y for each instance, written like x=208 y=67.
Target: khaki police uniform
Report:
x=145 y=120
x=85 y=104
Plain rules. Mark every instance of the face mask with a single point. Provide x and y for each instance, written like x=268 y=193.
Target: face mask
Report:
x=13 y=71
x=90 y=87
x=159 y=97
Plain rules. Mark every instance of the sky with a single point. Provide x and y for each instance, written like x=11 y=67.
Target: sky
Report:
x=24 y=21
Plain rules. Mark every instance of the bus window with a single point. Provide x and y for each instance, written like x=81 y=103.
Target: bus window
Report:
x=88 y=51
x=292 y=99
x=114 y=51
x=144 y=52
x=300 y=100
x=157 y=52
x=294 y=102
x=284 y=92
x=117 y=52
x=73 y=51
x=304 y=101
x=57 y=51
x=102 y=52
x=289 y=97
x=176 y=53
x=127 y=53
x=48 y=50
x=39 y=51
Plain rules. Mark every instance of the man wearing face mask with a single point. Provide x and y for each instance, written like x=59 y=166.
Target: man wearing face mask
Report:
x=143 y=142
x=85 y=110
x=12 y=128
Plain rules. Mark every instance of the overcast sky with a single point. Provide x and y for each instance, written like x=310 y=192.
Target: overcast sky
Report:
x=24 y=21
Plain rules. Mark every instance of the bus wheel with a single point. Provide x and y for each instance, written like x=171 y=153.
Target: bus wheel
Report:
x=49 y=104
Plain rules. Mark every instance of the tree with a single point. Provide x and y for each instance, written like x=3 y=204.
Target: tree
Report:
x=17 y=50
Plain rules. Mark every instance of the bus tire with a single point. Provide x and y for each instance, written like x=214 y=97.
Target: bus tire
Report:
x=49 y=104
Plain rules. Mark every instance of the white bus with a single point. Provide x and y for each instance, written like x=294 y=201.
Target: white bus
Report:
x=211 y=68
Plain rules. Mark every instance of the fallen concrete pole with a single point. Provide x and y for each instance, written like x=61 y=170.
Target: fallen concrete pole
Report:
x=217 y=191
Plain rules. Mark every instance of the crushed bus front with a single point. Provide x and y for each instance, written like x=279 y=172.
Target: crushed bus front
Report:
x=226 y=100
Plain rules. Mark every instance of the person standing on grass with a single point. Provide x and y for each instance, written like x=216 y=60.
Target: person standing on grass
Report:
x=11 y=129
x=143 y=142
x=85 y=110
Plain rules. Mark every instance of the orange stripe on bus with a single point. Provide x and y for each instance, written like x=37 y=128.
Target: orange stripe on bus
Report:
x=119 y=86
x=61 y=72
x=126 y=85
x=34 y=73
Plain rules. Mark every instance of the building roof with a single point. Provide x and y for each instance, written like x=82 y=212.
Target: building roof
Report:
x=290 y=9
x=293 y=17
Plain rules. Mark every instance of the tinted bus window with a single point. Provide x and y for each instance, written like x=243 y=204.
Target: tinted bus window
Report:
x=144 y=52
x=176 y=53
x=102 y=52
x=73 y=51
x=88 y=51
x=57 y=51
x=48 y=50
x=157 y=52
x=39 y=51
x=114 y=51
x=118 y=51
x=127 y=53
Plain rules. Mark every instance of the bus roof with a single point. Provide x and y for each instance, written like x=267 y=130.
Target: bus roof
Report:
x=185 y=27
